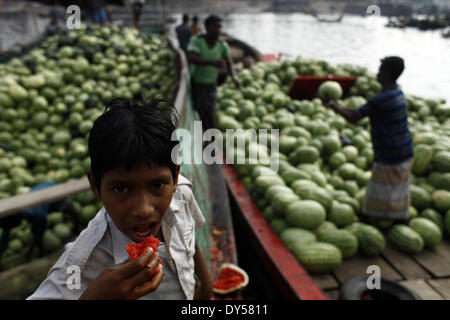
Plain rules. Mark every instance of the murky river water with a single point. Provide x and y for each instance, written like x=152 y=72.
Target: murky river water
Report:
x=356 y=40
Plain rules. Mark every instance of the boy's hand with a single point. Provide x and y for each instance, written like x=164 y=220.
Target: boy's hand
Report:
x=129 y=282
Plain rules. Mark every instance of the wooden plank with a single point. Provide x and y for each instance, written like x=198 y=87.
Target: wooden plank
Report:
x=183 y=82
x=422 y=289
x=21 y=202
x=357 y=266
x=404 y=264
x=332 y=294
x=442 y=286
x=436 y=261
x=325 y=281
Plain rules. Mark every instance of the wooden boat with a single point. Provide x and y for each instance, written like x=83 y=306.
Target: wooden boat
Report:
x=237 y=232
x=329 y=18
x=446 y=32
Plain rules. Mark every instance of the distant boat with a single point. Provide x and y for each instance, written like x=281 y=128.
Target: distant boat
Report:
x=330 y=18
x=396 y=23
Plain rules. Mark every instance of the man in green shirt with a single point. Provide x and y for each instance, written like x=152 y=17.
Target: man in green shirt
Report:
x=208 y=56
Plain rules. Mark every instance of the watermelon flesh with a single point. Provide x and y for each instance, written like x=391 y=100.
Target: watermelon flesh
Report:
x=231 y=278
x=135 y=250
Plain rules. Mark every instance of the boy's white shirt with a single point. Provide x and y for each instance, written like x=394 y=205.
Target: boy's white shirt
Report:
x=102 y=246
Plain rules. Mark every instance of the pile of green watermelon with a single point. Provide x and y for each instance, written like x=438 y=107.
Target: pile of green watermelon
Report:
x=50 y=97
x=60 y=230
x=314 y=200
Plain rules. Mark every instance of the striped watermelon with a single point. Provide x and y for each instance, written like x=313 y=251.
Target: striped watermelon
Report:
x=343 y=239
x=318 y=257
x=430 y=232
x=371 y=240
x=423 y=154
x=406 y=239
x=441 y=161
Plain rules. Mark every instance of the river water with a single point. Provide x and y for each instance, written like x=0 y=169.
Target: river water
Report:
x=356 y=40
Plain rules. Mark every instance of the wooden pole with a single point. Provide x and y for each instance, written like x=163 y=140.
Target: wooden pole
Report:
x=21 y=202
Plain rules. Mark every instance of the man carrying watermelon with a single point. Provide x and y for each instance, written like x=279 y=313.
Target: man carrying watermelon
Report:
x=141 y=244
x=387 y=193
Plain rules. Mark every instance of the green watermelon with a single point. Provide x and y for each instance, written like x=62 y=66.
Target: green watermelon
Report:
x=441 y=200
x=262 y=183
x=306 y=214
x=330 y=90
x=292 y=174
x=268 y=214
x=341 y=214
x=304 y=154
x=278 y=225
x=423 y=154
x=441 y=161
x=50 y=241
x=430 y=232
x=406 y=239
x=370 y=239
x=420 y=199
x=325 y=226
x=318 y=194
x=62 y=231
x=318 y=257
x=281 y=201
x=433 y=216
x=277 y=189
x=293 y=236
x=343 y=239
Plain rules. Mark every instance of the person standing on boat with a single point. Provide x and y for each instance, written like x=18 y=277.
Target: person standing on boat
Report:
x=208 y=56
x=137 y=6
x=387 y=193
x=196 y=28
x=184 y=33
x=97 y=10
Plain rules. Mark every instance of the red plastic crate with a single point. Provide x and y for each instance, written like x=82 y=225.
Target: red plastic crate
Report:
x=270 y=58
x=305 y=87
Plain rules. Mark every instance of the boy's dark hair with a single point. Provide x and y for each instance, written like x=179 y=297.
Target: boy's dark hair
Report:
x=211 y=20
x=185 y=17
x=394 y=65
x=128 y=132
x=195 y=19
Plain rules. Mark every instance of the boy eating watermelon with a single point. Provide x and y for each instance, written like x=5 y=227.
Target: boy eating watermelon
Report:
x=147 y=203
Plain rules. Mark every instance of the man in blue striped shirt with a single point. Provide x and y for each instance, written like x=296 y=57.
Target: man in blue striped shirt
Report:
x=387 y=193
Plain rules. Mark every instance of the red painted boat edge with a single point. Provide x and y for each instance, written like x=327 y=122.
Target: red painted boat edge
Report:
x=280 y=258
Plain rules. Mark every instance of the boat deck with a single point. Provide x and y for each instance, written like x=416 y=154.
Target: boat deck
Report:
x=427 y=273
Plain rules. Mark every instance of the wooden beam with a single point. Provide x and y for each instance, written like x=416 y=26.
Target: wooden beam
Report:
x=183 y=80
x=422 y=289
x=357 y=266
x=442 y=286
x=21 y=202
x=437 y=260
x=325 y=281
x=404 y=264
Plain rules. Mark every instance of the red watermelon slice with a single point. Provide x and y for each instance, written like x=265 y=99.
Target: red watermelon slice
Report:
x=135 y=250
